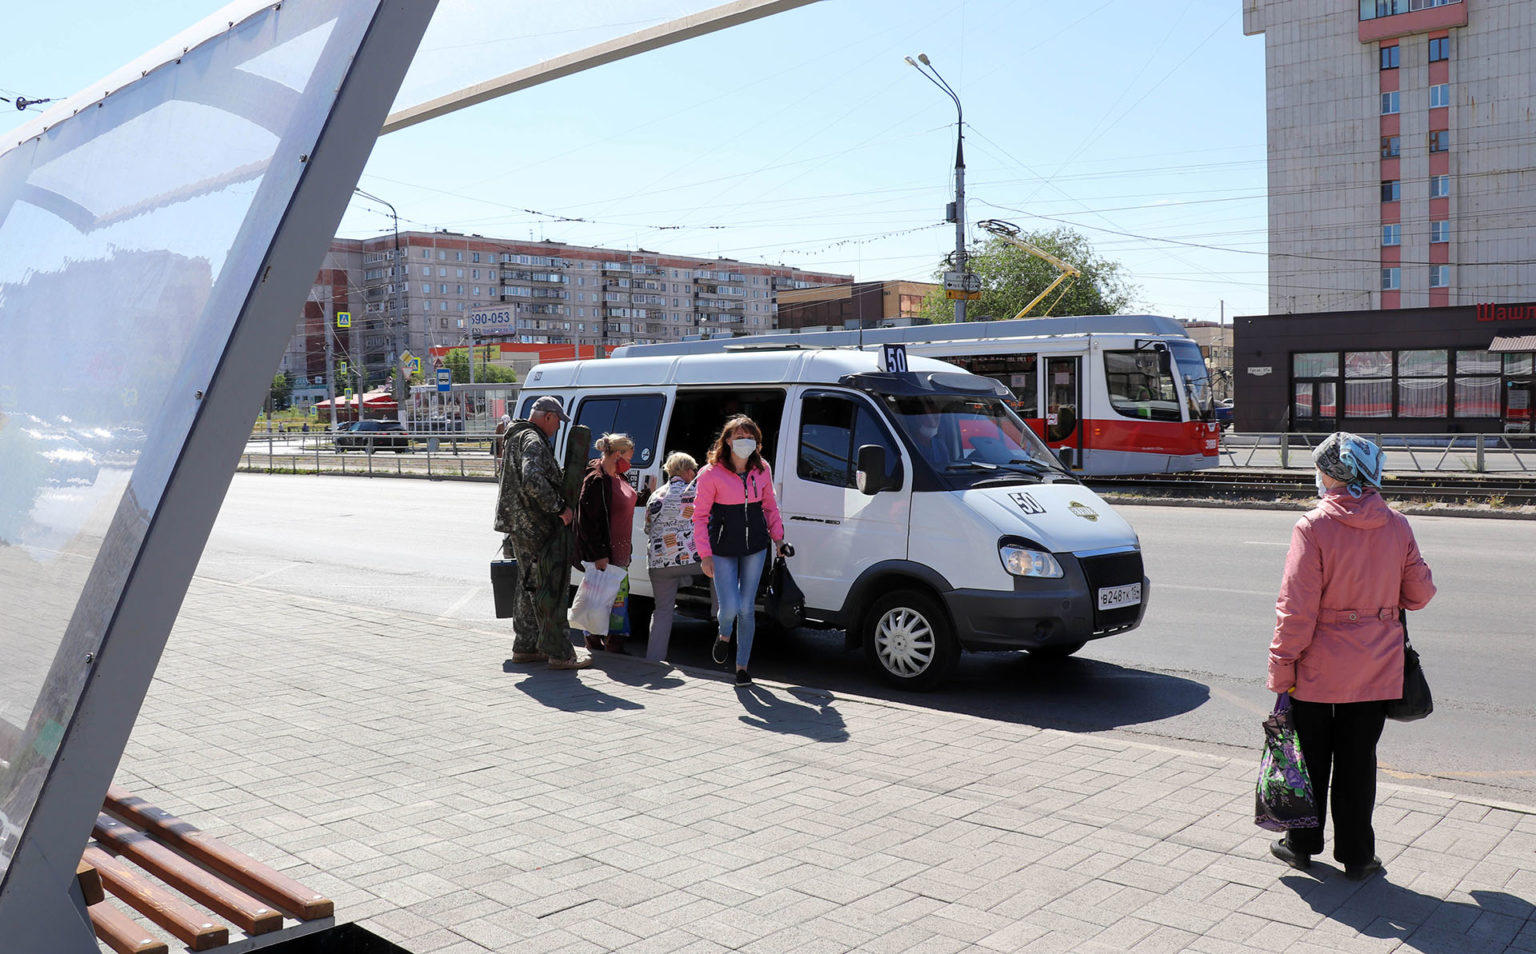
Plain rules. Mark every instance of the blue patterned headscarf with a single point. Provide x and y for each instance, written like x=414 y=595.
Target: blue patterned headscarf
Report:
x=1350 y=458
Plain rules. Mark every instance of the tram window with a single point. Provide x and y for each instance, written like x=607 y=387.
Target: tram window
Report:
x=1139 y=387
x=1018 y=371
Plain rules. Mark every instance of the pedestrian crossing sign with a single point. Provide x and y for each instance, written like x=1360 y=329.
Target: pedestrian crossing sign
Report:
x=343 y=319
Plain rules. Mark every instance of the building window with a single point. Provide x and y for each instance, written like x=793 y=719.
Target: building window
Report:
x=1439 y=276
x=442 y=273
x=1439 y=95
x=1389 y=103
x=1391 y=190
x=1391 y=279
x=426 y=289
x=442 y=255
x=1389 y=57
x=1372 y=9
x=1368 y=381
x=1392 y=234
x=1440 y=140
x=1391 y=147
x=1315 y=386
x=1439 y=187
x=1439 y=232
x=1422 y=383
x=1439 y=49
x=474 y=256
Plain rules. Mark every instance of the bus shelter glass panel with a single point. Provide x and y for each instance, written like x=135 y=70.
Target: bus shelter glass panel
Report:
x=131 y=234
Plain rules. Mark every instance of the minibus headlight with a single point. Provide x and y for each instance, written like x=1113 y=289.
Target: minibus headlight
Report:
x=1021 y=561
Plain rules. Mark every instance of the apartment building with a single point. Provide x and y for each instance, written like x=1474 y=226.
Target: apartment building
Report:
x=1402 y=185
x=418 y=296
x=1400 y=152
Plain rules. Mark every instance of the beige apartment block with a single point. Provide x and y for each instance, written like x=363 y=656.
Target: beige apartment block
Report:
x=1401 y=139
x=418 y=296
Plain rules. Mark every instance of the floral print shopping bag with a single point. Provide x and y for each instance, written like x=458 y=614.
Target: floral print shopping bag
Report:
x=1283 y=799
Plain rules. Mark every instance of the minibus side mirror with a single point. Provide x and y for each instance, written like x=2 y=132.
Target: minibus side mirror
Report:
x=1165 y=361
x=871 y=473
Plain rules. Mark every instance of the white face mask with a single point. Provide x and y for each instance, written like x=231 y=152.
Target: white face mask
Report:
x=743 y=447
x=1322 y=488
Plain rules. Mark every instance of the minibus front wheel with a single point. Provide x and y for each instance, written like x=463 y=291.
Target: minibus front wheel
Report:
x=910 y=640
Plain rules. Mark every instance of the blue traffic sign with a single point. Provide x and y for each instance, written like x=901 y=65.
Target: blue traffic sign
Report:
x=444 y=379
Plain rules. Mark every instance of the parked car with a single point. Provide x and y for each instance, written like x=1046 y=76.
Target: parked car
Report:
x=374 y=435
x=1223 y=411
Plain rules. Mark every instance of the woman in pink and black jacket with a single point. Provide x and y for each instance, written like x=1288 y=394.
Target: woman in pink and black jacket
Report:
x=1352 y=569
x=735 y=517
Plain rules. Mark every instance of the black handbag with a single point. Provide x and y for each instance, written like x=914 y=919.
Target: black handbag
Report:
x=1416 y=702
x=504 y=578
x=783 y=601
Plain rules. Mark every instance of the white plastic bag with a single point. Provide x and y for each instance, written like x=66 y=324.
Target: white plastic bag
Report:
x=591 y=609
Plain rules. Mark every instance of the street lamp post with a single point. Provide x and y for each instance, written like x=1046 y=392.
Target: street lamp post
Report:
x=957 y=210
x=397 y=272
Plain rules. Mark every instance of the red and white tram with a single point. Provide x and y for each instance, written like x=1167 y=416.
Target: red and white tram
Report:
x=1116 y=394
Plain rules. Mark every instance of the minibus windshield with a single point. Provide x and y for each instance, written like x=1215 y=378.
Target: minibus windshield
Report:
x=1197 y=381
x=973 y=439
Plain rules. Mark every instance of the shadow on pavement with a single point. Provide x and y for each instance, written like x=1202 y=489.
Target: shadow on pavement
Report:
x=1078 y=694
x=564 y=690
x=638 y=672
x=1423 y=923
x=816 y=720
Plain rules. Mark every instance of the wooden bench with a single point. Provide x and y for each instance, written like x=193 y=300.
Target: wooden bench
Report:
x=185 y=882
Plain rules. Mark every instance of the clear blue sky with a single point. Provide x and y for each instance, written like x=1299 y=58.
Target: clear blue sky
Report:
x=805 y=138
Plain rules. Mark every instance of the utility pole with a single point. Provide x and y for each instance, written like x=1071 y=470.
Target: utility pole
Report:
x=397 y=318
x=956 y=211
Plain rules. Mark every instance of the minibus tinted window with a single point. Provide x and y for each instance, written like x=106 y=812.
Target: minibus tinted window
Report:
x=638 y=415
x=832 y=429
x=1139 y=388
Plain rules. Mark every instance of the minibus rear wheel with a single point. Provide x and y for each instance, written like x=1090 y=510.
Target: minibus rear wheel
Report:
x=910 y=640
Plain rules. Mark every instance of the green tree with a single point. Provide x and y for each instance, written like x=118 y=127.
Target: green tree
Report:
x=1012 y=277
x=282 y=391
x=457 y=363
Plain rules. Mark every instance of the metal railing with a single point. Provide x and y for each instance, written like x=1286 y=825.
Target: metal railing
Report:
x=455 y=454
x=1413 y=453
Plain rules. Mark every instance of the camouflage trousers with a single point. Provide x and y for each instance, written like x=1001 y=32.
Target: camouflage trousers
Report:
x=544 y=578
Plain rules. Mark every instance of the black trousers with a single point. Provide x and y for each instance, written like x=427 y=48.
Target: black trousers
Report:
x=1338 y=743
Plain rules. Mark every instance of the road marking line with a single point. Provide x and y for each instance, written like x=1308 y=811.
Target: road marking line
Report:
x=262 y=576
x=1213 y=589
x=461 y=603
x=1266 y=543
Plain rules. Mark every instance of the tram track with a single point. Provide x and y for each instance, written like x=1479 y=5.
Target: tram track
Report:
x=1449 y=488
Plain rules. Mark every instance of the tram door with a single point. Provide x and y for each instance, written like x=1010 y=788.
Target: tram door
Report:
x=1064 y=408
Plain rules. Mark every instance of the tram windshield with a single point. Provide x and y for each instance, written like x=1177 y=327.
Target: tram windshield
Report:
x=970 y=440
x=1195 y=378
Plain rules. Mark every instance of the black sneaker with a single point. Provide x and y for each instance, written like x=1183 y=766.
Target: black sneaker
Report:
x=722 y=651
x=1296 y=859
x=1361 y=872
x=743 y=678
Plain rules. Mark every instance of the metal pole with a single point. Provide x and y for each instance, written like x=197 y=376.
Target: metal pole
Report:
x=958 y=216
x=330 y=380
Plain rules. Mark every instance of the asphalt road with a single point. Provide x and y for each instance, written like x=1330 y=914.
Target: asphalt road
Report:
x=1192 y=675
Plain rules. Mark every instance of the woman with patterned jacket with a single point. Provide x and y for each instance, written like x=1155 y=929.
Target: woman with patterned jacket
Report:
x=672 y=557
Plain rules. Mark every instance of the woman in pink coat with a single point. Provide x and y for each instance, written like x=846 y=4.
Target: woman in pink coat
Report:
x=735 y=518
x=1338 y=647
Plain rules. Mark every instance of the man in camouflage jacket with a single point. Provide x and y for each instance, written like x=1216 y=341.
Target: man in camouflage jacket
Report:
x=531 y=511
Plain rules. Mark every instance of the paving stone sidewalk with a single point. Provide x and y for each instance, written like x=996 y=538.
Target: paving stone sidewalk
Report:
x=454 y=803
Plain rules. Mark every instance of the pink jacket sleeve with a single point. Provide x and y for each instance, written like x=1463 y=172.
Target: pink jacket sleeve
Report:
x=1296 y=609
x=1418 y=585
x=704 y=499
x=771 y=507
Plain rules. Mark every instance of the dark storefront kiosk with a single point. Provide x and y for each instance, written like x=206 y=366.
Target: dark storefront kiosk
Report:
x=1464 y=369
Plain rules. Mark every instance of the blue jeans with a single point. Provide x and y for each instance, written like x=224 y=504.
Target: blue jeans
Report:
x=736 y=579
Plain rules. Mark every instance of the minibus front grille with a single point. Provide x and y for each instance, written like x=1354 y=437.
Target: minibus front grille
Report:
x=1113 y=569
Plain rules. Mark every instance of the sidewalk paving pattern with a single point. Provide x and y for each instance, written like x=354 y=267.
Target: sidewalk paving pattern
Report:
x=455 y=804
